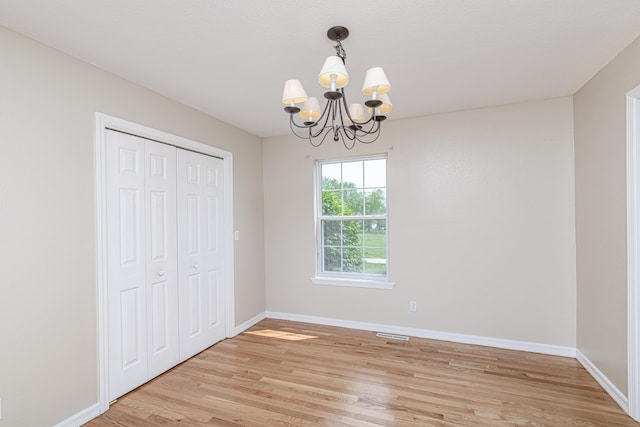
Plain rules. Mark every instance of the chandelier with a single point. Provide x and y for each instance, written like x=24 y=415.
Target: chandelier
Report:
x=349 y=123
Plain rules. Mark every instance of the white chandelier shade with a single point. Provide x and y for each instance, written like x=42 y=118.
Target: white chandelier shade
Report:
x=293 y=92
x=385 y=108
x=349 y=123
x=375 y=82
x=356 y=114
x=310 y=110
x=333 y=70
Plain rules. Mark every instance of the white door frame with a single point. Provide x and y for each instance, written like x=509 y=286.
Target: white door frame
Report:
x=104 y=122
x=633 y=252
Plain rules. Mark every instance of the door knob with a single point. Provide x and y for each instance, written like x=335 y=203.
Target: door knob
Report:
x=161 y=273
x=195 y=266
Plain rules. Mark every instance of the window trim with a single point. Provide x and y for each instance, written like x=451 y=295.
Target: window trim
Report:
x=361 y=280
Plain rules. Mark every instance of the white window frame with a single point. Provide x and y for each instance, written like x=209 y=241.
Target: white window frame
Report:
x=340 y=278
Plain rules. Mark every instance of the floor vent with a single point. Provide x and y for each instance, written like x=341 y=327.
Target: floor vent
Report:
x=392 y=336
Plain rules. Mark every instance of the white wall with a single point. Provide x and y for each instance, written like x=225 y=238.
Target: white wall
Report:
x=601 y=221
x=481 y=207
x=48 y=330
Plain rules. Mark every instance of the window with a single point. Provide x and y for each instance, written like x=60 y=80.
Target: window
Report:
x=352 y=221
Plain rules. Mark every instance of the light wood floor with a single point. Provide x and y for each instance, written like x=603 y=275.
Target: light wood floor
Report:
x=281 y=373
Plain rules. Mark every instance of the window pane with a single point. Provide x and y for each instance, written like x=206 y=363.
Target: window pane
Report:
x=352 y=233
x=352 y=246
x=375 y=173
x=332 y=203
x=352 y=260
x=352 y=172
x=331 y=233
x=375 y=233
x=375 y=246
x=375 y=266
x=353 y=202
x=331 y=175
x=376 y=202
x=332 y=259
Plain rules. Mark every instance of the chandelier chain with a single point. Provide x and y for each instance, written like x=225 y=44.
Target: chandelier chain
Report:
x=340 y=52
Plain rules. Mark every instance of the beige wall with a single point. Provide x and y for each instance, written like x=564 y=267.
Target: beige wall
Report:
x=600 y=155
x=482 y=234
x=48 y=331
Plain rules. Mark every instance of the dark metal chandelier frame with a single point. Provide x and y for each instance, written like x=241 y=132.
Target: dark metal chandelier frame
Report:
x=336 y=118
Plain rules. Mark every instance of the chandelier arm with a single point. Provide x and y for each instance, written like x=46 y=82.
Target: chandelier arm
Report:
x=357 y=133
x=346 y=107
x=324 y=115
x=325 y=111
x=344 y=142
x=337 y=126
x=376 y=134
x=292 y=124
x=373 y=128
x=350 y=133
x=310 y=136
x=310 y=127
x=327 y=129
x=374 y=139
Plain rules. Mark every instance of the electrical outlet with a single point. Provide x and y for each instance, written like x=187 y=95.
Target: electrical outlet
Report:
x=413 y=306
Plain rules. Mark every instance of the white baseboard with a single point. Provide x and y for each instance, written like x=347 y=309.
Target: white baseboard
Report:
x=606 y=384
x=81 y=417
x=554 y=350
x=249 y=323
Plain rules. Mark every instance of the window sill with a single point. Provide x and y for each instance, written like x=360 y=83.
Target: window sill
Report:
x=357 y=283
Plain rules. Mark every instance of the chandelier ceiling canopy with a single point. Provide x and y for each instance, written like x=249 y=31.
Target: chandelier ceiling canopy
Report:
x=349 y=123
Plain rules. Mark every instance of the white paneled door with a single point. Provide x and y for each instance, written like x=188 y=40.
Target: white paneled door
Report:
x=162 y=269
x=164 y=224
x=200 y=251
x=128 y=362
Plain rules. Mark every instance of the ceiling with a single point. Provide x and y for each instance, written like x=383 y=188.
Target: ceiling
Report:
x=230 y=58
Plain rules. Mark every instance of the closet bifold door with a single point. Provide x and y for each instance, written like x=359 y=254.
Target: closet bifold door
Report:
x=142 y=274
x=162 y=260
x=200 y=252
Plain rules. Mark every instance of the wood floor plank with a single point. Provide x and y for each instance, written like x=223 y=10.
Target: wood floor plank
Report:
x=282 y=373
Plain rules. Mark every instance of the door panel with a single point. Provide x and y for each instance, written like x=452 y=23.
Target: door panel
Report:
x=160 y=326
x=199 y=255
x=132 y=345
x=214 y=297
x=161 y=262
x=142 y=260
x=158 y=225
x=130 y=233
x=193 y=224
x=213 y=190
x=193 y=289
x=128 y=367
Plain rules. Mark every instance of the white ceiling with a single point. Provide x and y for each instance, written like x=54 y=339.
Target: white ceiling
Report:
x=230 y=58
